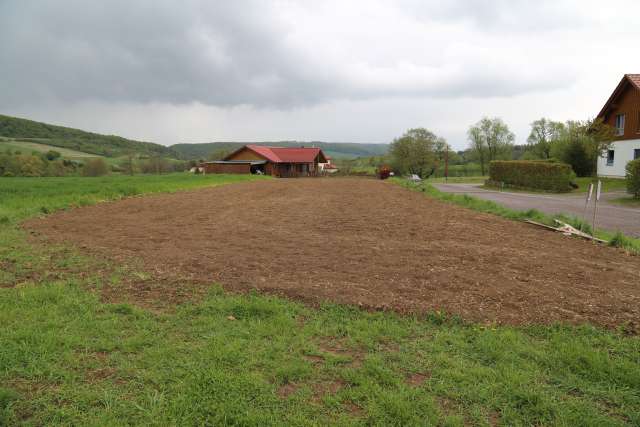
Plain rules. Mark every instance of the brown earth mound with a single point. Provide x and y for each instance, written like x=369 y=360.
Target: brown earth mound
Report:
x=363 y=242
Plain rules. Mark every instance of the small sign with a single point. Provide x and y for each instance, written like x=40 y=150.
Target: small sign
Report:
x=590 y=192
x=599 y=190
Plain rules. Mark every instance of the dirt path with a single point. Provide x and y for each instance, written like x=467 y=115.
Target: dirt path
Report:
x=363 y=242
x=610 y=216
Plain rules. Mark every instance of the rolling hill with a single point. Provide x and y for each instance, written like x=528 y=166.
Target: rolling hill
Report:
x=17 y=133
x=39 y=145
x=32 y=132
x=334 y=149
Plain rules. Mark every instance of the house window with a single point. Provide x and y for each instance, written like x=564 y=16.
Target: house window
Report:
x=620 y=124
x=610 y=155
x=636 y=153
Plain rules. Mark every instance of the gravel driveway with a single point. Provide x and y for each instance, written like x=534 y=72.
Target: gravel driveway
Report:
x=610 y=216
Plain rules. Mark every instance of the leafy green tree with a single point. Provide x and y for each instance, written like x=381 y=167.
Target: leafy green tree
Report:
x=95 y=167
x=52 y=155
x=633 y=178
x=577 y=155
x=156 y=165
x=7 y=164
x=179 y=166
x=601 y=136
x=544 y=133
x=455 y=158
x=31 y=165
x=419 y=151
x=490 y=139
x=127 y=164
x=581 y=143
x=218 y=154
x=56 y=168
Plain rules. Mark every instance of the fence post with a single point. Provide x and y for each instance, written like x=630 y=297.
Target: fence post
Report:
x=586 y=204
x=595 y=207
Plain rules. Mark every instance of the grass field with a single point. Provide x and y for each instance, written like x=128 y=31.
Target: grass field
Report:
x=69 y=359
x=41 y=146
x=27 y=147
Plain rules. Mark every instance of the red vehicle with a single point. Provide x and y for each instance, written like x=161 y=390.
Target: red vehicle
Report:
x=384 y=172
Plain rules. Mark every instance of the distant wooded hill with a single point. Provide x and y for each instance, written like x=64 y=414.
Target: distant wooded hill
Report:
x=29 y=131
x=333 y=149
x=74 y=139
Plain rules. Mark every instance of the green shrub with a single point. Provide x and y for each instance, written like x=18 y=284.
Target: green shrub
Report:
x=633 y=178
x=577 y=155
x=95 y=167
x=532 y=174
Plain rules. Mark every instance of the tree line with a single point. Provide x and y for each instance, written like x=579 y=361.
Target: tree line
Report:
x=51 y=163
x=15 y=163
x=577 y=143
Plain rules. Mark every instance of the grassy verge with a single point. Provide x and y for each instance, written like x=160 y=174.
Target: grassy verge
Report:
x=627 y=201
x=608 y=184
x=69 y=359
x=614 y=238
x=458 y=180
x=511 y=189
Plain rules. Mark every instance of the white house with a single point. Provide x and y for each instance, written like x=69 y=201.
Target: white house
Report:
x=622 y=111
x=328 y=167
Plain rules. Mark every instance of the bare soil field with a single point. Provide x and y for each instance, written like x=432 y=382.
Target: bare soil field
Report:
x=357 y=241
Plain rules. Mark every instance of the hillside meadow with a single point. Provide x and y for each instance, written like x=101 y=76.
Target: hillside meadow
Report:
x=76 y=139
x=68 y=357
x=40 y=146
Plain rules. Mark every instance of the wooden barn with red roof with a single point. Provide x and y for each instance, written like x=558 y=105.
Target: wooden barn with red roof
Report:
x=275 y=161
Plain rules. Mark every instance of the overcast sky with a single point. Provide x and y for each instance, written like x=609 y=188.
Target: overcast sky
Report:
x=359 y=71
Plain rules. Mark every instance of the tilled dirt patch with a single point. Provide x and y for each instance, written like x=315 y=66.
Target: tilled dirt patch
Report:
x=363 y=242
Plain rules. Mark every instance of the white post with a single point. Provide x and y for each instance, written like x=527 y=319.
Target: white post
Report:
x=586 y=204
x=595 y=208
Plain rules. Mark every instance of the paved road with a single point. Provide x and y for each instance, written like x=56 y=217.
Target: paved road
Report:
x=610 y=216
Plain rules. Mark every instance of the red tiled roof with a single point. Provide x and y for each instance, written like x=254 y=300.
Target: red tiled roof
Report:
x=265 y=152
x=286 y=154
x=634 y=79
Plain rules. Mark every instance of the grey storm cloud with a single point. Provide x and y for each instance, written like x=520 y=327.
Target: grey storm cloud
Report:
x=222 y=53
x=257 y=53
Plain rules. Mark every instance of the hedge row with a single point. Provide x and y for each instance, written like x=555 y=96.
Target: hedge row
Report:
x=633 y=178
x=532 y=174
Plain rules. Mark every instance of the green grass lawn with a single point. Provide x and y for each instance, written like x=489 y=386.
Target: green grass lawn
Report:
x=67 y=358
x=23 y=197
x=608 y=184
